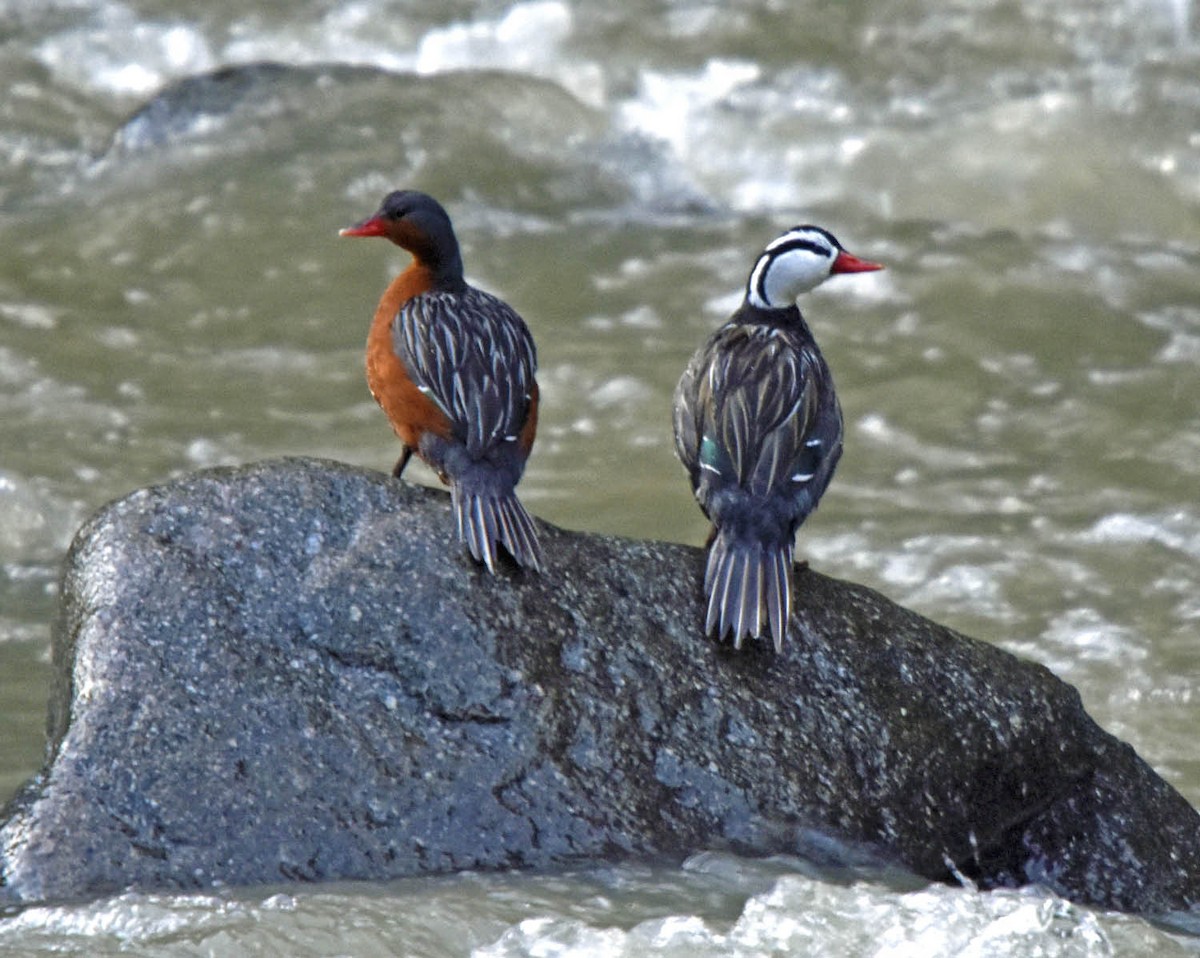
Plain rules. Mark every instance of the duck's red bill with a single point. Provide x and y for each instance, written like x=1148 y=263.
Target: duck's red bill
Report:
x=372 y=226
x=848 y=263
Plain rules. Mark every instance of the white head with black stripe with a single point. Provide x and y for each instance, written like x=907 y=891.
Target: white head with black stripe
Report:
x=799 y=260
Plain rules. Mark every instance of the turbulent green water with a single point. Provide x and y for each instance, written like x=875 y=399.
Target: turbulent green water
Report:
x=1020 y=386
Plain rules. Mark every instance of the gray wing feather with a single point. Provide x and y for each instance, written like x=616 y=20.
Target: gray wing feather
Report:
x=755 y=400
x=687 y=436
x=474 y=357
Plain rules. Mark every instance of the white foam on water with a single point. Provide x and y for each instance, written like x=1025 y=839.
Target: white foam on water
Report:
x=527 y=37
x=1177 y=531
x=713 y=906
x=628 y=392
x=111 y=926
x=802 y=916
x=671 y=107
x=880 y=429
x=117 y=52
x=361 y=32
x=1179 y=322
x=1085 y=634
x=30 y=315
x=754 y=139
x=24 y=514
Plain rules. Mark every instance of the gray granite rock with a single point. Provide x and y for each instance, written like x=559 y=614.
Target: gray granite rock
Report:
x=292 y=671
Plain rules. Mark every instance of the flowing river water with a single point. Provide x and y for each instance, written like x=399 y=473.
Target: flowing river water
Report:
x=1020 y=385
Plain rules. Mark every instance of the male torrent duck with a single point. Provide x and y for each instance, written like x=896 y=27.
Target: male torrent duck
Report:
x=759 y=429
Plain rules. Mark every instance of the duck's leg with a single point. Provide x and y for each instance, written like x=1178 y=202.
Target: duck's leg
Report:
x=398 y=469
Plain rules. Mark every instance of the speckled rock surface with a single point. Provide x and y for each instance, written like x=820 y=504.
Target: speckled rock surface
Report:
x=291 y=671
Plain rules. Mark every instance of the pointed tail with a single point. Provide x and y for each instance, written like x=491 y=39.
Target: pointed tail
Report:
x=484 y=521
x=745 y=583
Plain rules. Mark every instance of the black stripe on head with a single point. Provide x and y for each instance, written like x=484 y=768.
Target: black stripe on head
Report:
x=786 y=243
x=821 y=231
x=798 y=243
x=760 y=287
x=813 y=240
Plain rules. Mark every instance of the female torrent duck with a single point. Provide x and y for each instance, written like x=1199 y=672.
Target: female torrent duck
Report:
x=453 y=369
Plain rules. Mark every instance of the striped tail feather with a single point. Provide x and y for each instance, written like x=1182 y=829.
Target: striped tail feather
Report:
x=487 y=520
x=746 y=582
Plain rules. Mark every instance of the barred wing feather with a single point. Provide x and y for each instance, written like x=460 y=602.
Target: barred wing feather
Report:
x=473 y=356
x=749 y=410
